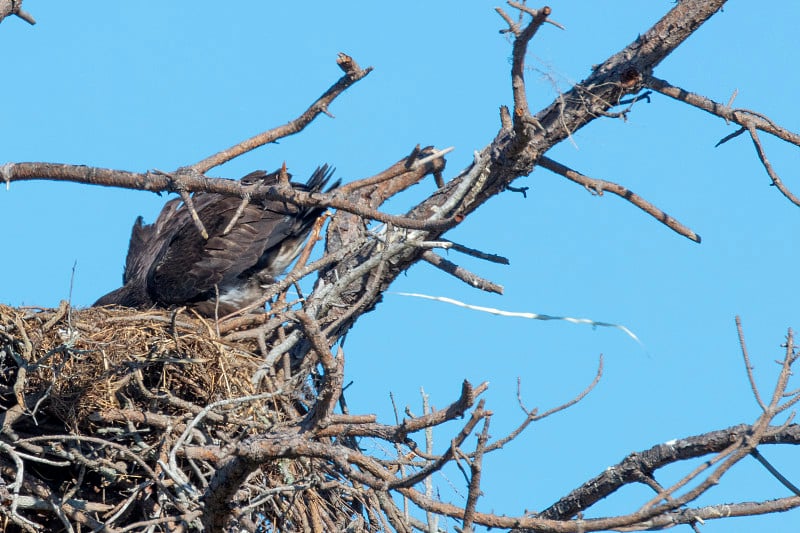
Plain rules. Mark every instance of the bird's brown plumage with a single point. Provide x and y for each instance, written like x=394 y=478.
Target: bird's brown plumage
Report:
x=169 y=263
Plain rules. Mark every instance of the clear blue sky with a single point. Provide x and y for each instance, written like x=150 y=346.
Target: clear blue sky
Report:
x=144 y=85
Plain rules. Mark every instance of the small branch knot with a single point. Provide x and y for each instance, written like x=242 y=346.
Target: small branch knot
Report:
x=630 y=77
x=348 y=65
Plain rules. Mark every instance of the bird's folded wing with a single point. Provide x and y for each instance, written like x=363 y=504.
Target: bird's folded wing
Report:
x=191 y=267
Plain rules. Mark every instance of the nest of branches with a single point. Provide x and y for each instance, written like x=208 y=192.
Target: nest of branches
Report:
x=122 y=420
x=118 y=404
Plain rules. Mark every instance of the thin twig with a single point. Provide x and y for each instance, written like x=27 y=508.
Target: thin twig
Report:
x=597 y=186
x=534 y=416
x=238 y=214
x=493 y=258
x=774 y=471
x=19 y=475
x=748 y=365
x=352 y=74
x=473 y=280
x=762 y=155
x=189 y=204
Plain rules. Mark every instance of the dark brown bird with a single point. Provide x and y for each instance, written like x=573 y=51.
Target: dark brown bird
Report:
x=170 y=264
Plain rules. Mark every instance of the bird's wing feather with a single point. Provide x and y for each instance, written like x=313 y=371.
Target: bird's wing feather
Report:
x=190 y=267
x=137 y=250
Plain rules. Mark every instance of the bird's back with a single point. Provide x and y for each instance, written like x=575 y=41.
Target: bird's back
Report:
x=169 y=263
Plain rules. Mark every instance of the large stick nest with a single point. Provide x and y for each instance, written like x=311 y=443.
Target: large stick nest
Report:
x=95 y=402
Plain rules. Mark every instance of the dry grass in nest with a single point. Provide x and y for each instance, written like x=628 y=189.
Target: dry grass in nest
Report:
x=83 y=362
x=106 y=395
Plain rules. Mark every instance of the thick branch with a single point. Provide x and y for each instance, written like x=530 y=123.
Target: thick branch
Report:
x=192 y=182
x=506 y=158
x=630 y=469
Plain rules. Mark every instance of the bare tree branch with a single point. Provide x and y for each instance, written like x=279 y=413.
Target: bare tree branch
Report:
x=188 y=181
x=748 y=366
x=467 y=277
x=596 y=186
x=352 y=74
x=743 y=117
x=762 y=155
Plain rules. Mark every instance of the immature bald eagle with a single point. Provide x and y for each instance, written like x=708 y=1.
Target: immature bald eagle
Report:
x=170 y=264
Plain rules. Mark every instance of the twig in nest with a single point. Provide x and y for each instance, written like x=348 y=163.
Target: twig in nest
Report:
x=313 y=239
x=18 y=476
x=476 y=467
x=173 y=454
x=331 y=390
x=273 y=355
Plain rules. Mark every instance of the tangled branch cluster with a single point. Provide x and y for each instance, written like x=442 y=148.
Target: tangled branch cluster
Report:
x=120 y=420
x=125 y=420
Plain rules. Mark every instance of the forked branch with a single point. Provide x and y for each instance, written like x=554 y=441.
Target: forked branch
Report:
x=750 y=121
